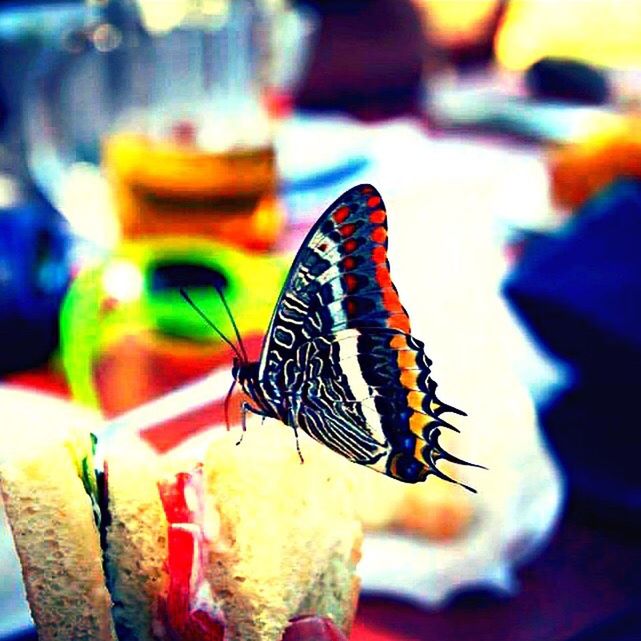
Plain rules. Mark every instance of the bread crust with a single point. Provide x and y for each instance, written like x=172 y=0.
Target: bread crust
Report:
x=57 y=541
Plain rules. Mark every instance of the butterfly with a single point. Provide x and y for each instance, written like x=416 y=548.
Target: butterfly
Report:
x=339 y=361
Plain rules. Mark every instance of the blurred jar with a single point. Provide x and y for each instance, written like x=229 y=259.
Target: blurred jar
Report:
x=170 y=98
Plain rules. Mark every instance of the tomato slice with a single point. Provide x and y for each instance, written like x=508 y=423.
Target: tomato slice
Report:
x=190 y=611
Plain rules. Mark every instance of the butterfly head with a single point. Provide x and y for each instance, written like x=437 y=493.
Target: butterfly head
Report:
x=239 y=372
x=235 y=369
x=246 y=375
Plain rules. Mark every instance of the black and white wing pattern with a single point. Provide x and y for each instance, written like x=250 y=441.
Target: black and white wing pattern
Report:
x=339 y=360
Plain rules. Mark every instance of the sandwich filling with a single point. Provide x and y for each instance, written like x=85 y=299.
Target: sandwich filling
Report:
x=188 y=612
x=83 y=457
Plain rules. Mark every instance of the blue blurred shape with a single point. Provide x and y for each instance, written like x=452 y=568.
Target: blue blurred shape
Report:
x=34 y=274
x=579 y=290
x=567 y=80
x=579 y=293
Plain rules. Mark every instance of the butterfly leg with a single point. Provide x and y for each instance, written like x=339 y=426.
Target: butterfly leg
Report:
x=291 y=420
x=300 y=454
x=244 y=408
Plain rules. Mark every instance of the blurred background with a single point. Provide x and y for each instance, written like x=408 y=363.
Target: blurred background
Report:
x=147 y=146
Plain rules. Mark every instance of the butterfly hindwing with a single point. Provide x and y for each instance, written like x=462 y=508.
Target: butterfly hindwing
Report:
x=368 y=395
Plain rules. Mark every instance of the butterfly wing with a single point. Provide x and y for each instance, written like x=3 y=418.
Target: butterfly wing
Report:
x=339 y=352
x=339 y=279
x=368 y=395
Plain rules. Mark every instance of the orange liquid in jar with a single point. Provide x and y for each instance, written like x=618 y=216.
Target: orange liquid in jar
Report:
x=169 y=188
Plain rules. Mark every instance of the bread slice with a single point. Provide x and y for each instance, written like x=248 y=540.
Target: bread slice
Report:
x=289 y=536
x=55 y=533
x=285 y=538
x=136 y=548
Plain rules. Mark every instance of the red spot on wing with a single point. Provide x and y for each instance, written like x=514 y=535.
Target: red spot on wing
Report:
x=379 y=254
x=391 y=301
x=322 y=247
x=351 y=282
x=374 y=201
x=341 y=214
x=400 y=322
x=347 y=230
x=383 y=277
x=378 y=235
x=350 y=305
x=349 y=263
x=350 y=245
x=377 y=216
x=367 y=190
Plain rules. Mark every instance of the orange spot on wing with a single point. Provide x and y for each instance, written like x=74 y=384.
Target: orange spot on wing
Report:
x=349 y=245
x=391 y=301
x=341 y=214
x=347 y=230
x=415 y=399
x=408 y=378
x=377 y=216
x=374 y=201
x=379 y=254
x=406 y=359
x=418 y=452
x=378 y=235
x=398 y=342
x=417 y=422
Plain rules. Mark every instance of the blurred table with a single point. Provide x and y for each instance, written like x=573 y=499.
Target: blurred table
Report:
x=585 y=575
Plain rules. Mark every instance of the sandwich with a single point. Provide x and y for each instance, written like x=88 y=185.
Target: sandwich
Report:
x=234 y=546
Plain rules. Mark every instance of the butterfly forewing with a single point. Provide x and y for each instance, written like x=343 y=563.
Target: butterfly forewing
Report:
x=339 y=279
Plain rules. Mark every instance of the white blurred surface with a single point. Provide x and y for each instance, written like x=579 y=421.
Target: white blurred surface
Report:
x=449 y=202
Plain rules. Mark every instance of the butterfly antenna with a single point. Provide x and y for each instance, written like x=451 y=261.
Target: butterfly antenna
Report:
x=185 y=295
x=233 y=322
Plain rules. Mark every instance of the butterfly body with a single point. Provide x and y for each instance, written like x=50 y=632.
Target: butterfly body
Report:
x=339 y=360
